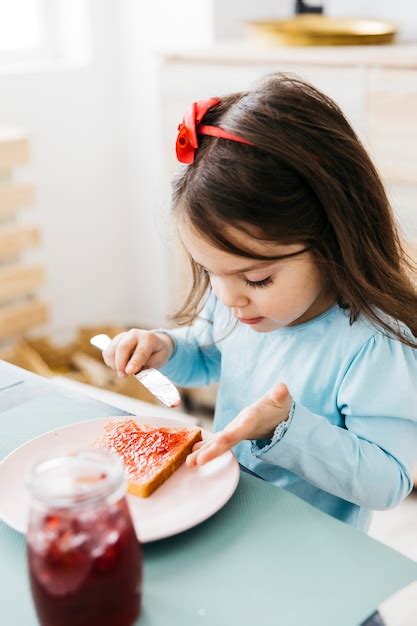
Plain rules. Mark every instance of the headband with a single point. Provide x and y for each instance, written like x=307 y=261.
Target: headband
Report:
x=190 y=128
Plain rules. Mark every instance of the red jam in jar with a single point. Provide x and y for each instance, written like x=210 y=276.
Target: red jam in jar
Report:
x=85 y=561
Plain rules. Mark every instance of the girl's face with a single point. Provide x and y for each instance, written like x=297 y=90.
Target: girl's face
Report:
x=267 y=295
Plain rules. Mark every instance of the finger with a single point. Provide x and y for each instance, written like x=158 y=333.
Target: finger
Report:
x=140 y=357
x=190 y=459
x=216 y=449
x=278 y=394
x=158 y=350
x=211 y=449
x=124 y=351
x=240 y=427
x=109 y=353
x=219 y=438
x=199 y=445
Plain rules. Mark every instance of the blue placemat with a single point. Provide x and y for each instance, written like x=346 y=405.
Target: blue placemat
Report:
x=9 y=376
x=267 y=558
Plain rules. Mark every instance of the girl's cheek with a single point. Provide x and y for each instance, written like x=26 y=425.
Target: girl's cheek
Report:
x=215 y=288
x=213 y=285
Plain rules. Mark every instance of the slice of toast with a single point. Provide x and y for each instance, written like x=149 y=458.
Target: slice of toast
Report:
x=150 y=455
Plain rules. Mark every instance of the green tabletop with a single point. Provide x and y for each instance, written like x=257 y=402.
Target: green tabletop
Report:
x=267 y=558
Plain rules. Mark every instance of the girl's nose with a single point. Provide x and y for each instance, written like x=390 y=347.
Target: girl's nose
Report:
x=232 y=298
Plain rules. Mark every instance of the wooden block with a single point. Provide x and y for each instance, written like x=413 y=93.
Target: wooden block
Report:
x=95 y=371
x=15 y=196
x=129 y=386
x=14 y=148
x=19 y=280
x=86 y=332
x=58 y=357
x=22 y=355
x=18 y=318
x=15 y=239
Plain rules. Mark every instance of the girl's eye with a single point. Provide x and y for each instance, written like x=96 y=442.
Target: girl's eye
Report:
x=259 y=283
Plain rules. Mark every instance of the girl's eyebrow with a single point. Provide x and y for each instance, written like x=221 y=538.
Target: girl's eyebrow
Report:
x=271 y=261
x=263 y=264
x=246 y=269
x=258 y=266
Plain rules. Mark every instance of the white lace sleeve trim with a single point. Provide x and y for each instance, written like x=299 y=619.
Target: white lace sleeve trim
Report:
x=259 y=446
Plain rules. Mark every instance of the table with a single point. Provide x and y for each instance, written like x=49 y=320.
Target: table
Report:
x=267 y=558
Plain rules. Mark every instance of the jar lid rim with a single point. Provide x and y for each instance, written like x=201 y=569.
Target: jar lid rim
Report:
x=80 y=478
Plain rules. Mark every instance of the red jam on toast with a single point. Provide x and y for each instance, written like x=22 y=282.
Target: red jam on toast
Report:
x=150 y=455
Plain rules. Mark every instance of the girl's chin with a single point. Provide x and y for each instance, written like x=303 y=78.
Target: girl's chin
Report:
x=266 y=325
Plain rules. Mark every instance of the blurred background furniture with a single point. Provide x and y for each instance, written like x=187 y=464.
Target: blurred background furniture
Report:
x=21 y=307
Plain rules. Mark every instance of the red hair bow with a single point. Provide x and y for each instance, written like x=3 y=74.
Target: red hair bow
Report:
x=189 y=129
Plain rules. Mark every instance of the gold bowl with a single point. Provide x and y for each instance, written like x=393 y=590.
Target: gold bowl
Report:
x=321 y=30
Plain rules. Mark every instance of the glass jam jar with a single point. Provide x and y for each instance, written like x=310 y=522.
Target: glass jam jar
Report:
x=85 y=561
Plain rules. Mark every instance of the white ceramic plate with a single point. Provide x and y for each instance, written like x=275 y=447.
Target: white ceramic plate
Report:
x=188 y=497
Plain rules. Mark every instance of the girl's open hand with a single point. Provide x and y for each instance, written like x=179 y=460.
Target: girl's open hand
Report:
x=257 y=421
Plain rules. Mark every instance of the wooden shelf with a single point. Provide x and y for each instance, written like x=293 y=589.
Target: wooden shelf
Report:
x=20 y=280
x=18 y=318
x=15 y=196
x=21 y=309
x=15 y=239
x=14 y=148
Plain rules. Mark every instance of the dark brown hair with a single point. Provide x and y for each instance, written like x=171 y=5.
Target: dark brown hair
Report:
x=309 y=180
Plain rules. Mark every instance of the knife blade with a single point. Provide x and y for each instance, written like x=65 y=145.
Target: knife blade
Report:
x=158 y=384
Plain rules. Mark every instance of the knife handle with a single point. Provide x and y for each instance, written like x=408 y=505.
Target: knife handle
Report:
x=100 y=341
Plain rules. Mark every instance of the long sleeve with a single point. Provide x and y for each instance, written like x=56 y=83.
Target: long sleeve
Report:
x=195 y=361
x=370 y=461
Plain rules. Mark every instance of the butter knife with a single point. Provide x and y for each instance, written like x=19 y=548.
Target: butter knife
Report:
x=158 y=384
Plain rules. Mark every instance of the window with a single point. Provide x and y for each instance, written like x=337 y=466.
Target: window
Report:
x=42 y=31
x=15 y=32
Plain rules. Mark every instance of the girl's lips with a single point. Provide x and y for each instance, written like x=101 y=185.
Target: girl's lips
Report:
x=250 y=320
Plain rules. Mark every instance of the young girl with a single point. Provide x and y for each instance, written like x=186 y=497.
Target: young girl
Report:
x=310 y=314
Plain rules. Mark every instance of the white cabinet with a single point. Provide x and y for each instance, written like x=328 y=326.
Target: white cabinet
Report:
x=393 y=123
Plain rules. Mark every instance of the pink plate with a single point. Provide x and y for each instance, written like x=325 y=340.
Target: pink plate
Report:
x=187 y=498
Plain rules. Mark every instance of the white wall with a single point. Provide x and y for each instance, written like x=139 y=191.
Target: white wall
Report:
x=147 y=28
x=73 y=119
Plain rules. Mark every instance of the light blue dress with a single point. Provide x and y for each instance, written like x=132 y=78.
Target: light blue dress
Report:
x=351 y=440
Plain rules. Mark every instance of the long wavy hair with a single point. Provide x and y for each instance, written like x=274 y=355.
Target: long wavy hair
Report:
x=309 y=180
